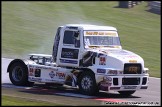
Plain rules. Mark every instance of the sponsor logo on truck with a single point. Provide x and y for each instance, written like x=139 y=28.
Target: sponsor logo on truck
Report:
x=59 y=75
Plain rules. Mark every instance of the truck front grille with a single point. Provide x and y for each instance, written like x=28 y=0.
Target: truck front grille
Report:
x=132 y=68
x=130 y=81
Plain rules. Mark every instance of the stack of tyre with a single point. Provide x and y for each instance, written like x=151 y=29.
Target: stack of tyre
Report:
x=128 y=4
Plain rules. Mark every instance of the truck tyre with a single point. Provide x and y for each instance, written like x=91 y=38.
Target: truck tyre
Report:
x=126 y=93
x=87 y=83
x=18 y=73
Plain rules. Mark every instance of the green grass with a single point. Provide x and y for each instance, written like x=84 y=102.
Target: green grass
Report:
x=30 y=27
x=16 y=101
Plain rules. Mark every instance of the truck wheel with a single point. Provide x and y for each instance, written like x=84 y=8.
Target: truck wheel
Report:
x=87 y=84
x=18 y=73
x=126 y=93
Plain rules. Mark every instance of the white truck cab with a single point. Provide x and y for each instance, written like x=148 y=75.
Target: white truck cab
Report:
x=86 y=56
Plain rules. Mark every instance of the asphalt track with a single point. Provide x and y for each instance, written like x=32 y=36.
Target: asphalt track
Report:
x=70 y=96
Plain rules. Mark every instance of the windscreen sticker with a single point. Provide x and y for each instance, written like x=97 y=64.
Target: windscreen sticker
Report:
x=100 y=33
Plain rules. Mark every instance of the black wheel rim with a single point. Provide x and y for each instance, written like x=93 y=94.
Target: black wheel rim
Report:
x=17 y=73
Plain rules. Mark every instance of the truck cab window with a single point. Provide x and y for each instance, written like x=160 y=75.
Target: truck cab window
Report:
x=68 y=37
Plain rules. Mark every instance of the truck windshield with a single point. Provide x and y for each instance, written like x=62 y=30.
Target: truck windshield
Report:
x=101 y=38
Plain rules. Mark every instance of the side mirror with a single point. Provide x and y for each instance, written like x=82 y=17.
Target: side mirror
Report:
x=76 y=34
x=76 y=40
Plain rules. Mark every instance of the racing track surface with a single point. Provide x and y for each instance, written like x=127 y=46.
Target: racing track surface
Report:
x=70 y=96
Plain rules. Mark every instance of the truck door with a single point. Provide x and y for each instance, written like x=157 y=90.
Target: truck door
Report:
x=69 y=55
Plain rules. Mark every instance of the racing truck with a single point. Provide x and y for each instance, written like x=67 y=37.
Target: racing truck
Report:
x=88 y=57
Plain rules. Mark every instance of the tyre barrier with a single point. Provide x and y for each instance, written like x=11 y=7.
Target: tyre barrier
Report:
x=128 y=4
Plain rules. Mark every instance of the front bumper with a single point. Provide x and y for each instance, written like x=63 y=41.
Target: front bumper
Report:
x=123 y=82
